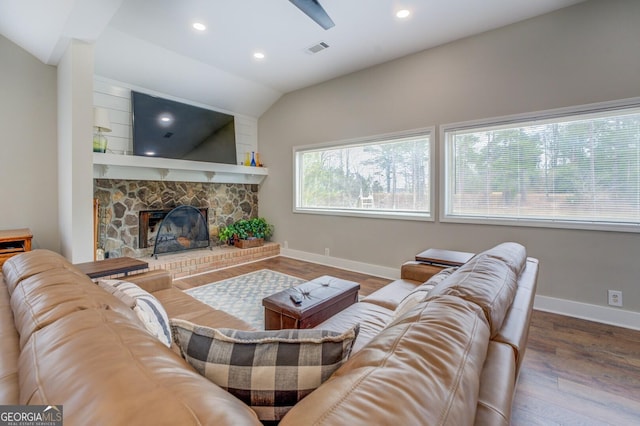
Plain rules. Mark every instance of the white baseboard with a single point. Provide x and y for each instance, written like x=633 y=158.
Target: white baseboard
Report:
x=336 y=262
x=602 y=314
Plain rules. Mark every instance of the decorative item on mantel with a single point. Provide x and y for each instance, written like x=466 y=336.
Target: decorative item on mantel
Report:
x=246 y=233
x=252 y=159
x=101 y=123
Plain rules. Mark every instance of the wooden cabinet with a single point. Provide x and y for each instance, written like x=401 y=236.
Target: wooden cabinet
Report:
x=14 y=241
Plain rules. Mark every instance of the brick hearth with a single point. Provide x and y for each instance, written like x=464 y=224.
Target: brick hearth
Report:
x=196 y=261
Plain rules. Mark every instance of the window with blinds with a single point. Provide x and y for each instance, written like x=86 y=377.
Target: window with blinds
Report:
x=387 y=176
x=578 y=169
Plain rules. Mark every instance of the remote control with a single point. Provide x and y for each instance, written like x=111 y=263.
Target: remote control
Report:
x=296 y=298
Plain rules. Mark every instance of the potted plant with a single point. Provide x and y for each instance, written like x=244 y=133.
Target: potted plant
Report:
x=246 y=233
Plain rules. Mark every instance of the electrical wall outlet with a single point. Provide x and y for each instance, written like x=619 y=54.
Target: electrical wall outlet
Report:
x=326 y=251
x=614 y=297
x=286 y=244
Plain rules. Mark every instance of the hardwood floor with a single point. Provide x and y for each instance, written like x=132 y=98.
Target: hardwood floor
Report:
x=578 y=372
x=575 y=372
x=297 y=268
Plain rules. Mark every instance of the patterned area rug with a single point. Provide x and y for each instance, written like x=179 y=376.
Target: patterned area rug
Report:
x=242 y=296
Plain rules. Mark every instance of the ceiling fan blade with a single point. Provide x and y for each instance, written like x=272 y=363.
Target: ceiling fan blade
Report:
x=314 y=10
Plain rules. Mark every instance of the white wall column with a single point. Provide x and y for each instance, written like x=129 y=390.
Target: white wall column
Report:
x=75 y=152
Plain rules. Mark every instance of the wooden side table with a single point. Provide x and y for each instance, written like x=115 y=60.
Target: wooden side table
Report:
x=14 y=241
x=112 y=266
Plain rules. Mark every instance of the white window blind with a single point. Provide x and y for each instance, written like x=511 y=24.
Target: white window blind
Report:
x=386 y=177
x=577 y=168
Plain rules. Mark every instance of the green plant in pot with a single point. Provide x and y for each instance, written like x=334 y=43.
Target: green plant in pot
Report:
x=246 y=229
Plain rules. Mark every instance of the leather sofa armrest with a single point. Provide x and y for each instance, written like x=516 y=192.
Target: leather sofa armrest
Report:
x=152 y=281
x=417 y=271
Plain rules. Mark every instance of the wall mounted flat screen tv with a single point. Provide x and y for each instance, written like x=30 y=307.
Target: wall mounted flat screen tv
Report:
x=170 y=129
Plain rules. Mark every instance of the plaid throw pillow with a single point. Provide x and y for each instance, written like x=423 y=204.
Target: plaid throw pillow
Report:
x=268 y=370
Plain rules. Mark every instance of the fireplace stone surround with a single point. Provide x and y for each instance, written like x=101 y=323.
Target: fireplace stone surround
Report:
x=120 y=202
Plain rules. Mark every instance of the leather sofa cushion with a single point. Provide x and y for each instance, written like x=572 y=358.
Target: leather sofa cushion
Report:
x=180 y=305
x=489 y=279
x=418 y=271
x=513 y=255
x=32 y=263
x=152 y=281
x=371 y=317
x=106 y=370
x=498 y=381
x=515 y=327
x=46 y=297
x=420 y=293
x=392 y=294
x=10 y=351
x=423 y=369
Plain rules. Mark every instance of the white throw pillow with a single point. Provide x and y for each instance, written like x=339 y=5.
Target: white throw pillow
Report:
x=146 y=307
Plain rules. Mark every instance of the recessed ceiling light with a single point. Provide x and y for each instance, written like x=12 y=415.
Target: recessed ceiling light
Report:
x=199 y=26
x=258 y=55
x=165 y=119
x=402 y=14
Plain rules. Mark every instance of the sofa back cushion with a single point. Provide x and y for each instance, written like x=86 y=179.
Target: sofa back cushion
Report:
x=423 y=368
x=31 y=263
x=44 y=298
x=420 y=293
x=105 y=369
x=514 y=255
x=9 y=351
x=489 y=280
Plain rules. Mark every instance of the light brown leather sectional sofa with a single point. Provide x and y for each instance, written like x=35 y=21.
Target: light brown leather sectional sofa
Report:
x=452 y=359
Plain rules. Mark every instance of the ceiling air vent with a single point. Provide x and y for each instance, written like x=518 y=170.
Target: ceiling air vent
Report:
x=317 y=47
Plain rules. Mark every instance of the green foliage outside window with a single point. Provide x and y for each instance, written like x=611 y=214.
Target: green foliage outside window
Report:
x=582 y=168
x=385 y=176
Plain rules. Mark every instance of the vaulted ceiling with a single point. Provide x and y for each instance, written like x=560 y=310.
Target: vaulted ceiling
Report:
x=152 y=44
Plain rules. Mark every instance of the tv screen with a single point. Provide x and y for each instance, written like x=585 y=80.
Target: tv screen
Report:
x=170 y=129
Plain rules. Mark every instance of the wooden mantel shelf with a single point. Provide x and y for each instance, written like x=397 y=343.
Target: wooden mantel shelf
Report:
x=114 y=166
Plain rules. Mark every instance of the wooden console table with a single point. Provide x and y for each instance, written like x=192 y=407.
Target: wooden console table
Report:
x=14 y=241
x=112 y=266
x=440 y=257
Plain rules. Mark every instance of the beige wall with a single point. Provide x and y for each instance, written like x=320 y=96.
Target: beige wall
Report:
x=75 y=152
x=582 y=54
x=28 y=159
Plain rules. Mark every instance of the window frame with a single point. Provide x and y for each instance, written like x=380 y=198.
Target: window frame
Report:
x=387 y=137
x=446 y=160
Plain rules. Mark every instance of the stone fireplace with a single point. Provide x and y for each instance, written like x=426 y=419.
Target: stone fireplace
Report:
x=122 y=201
x=150 y=223
x=178 y=229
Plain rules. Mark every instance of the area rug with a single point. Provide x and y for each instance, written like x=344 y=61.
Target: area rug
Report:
x=242 y=296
